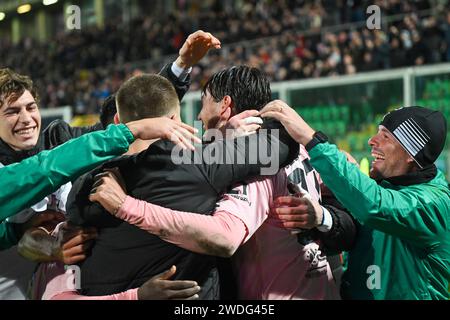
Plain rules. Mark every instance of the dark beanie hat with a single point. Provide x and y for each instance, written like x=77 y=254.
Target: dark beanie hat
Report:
x=420 y=131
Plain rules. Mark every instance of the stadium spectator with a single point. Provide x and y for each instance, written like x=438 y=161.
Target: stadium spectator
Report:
x=77 y=71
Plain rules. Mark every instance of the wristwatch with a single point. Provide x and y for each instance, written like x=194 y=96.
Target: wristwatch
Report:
x=318 y=137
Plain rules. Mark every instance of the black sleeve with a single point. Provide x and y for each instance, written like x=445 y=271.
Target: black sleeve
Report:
x=59 y=132
x=231 y=161
x=344 y=231
x=180 y=86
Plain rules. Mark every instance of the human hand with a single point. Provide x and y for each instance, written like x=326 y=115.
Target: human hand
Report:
x=195 y=48
x=109 y=190
x=297 y=128
x=295 y=213
x=74 y=243
x=179 y=133
x=161 y=288
x=243 y=124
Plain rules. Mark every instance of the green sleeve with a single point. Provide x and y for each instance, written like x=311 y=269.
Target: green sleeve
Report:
x=25 y=183
x=397 y=212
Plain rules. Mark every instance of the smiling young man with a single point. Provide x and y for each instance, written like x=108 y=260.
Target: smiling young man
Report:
x=20 y=130
x=403 y=246
x=20 y=122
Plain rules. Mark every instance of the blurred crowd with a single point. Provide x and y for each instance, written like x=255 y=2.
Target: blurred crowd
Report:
x=413 y=41
x=290 y=39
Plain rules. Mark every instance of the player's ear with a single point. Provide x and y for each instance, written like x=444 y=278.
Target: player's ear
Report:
x=226 y=111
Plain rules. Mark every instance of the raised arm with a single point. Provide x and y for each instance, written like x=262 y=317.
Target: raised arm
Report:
x=193 y=50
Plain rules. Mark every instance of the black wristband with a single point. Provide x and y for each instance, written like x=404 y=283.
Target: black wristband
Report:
x=318 y=137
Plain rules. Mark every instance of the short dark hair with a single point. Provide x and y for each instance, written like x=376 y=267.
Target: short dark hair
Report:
x=146 y=96
x=108 y=111
x=13 y=85
x=249 y=88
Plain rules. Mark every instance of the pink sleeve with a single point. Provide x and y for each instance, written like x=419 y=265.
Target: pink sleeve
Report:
x=73 y=295
x=59 y=284
x=251 y=202
x=191 y=231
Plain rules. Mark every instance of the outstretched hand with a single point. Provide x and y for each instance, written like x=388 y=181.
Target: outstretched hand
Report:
x=195 y=48
x=161 y=288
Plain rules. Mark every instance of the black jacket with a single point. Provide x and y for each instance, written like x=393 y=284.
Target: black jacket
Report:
x=344 y=231
x=124 y=256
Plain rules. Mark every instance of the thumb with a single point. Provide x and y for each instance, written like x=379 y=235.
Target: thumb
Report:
x=166 y=275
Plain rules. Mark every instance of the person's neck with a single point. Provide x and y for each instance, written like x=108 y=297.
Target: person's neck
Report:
x=415 y=176
x=139 y=146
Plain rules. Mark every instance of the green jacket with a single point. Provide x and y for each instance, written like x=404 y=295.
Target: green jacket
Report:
x=403 y=248
x=25 y=183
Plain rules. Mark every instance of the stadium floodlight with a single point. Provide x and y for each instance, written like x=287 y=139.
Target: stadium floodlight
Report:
x=24 y=8
x=49 y=2
x=2 y=16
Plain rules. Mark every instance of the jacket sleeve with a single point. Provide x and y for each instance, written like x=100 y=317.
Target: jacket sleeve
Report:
x=344 y=229
x=401 y=213
x=25 y=183
x=232 y=161
x=181 y=87
x=59 y=132
x=343 y=233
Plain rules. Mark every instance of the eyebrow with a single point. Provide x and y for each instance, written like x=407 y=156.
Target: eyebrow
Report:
x=19 y=106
